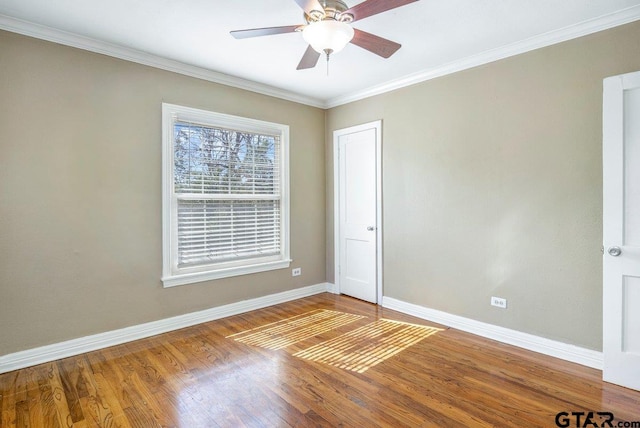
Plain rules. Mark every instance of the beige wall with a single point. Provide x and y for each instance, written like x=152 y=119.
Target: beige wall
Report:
x=80 y=193
x=492 y=187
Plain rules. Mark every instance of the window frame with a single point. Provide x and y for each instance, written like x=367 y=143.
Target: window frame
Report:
x=172 y=275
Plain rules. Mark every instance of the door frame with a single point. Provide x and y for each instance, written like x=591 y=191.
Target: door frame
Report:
x=377 y=125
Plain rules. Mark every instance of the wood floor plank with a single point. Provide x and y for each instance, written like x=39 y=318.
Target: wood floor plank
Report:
x=50 y=415
x=197 y=377
x=69 y=376
x=106 y=395
x=34 y=402
x=95 y=405
x=147 y=402
x=22 y=414
x=169 y=387
x=7 y=410
x=57 y=390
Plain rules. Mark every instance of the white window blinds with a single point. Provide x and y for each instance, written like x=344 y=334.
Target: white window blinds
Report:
x=227 y=193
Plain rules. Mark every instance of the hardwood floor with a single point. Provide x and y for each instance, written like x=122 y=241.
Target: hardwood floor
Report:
x=200 y=377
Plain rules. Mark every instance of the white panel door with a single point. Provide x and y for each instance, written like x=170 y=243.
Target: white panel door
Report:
x=621 y=230
x=357 y=212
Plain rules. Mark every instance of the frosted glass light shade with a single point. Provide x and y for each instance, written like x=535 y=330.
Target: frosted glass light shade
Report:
x=323 y=35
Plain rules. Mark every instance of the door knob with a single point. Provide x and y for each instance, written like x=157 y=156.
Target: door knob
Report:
x=370 y=228
x=614 y=251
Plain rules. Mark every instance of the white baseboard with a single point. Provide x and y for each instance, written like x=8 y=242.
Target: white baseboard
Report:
x=69 y=348
x=575 y=354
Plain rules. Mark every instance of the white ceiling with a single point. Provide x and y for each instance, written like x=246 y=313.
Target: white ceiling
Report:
x=437 y=37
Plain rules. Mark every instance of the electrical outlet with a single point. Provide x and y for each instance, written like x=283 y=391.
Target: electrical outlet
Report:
x=499 y=302
x=296 y=272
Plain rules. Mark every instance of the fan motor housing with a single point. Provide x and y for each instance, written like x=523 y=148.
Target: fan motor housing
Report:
x=333 y=10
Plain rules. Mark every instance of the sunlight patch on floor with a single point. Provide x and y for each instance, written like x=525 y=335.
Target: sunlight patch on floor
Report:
x=363 y=348
x=286 y=332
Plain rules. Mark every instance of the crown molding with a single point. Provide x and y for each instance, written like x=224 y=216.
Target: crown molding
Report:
x=86 y=43
x=584 y=28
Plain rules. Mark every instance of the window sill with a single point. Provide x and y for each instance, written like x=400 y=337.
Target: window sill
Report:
x=190 y=278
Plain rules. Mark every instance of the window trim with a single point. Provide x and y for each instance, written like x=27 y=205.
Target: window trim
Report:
x=171 y=274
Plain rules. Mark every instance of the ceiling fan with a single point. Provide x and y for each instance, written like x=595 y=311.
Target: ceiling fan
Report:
x=328 y=28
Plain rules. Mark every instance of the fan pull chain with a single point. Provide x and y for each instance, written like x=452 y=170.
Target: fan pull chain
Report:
x=328 y=52
x=327 y=65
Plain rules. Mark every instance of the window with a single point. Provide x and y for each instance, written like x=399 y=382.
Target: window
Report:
x=225 y=197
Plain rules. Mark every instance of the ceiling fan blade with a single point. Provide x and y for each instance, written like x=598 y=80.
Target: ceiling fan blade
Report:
x=309 y=59
x=379 y=46
x=373 y=7
x=257 y=32
x=309 y=5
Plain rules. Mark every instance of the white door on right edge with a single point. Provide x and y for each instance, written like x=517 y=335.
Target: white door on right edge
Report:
x=621 y=230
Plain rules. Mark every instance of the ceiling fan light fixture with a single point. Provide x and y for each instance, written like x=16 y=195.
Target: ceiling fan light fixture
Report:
x=328 y=35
